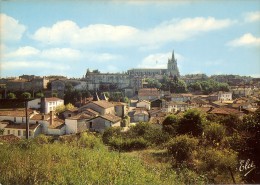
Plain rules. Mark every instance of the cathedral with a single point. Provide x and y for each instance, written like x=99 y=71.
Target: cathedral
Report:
x=172 y=70
x=133 y=78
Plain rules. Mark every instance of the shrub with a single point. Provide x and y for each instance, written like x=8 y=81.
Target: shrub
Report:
x=89 y=140
x=42 y=139
x=181 y=147
x=191 y=122
x=214 y=132
x=128 y=144
x=217 y=164
x=170 y=125
x=111 y=132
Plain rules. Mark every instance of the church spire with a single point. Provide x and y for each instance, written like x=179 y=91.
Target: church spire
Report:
x=173 y=55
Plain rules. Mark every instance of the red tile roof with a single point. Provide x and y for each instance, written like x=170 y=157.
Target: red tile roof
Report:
x=22 y=126
x=111 y=118
x=148 y=92
x=15 y=112
x=52 y=99
x=103 y=104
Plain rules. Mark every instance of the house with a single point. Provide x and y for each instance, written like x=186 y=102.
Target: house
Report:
x=19 y=130
x=121 y=109
x=15 y=115
x=242 y=92
x=148 y=94
x=141 y=115
x=175 y=106
x=223 y=111
x=45 y=104
x=100 y=123
x=221 y=96
x=77 y=123
x=181 y=97
x=157 y=103
x=69 y=113
x=143 y=104
x=57 y=127
x=101 y=106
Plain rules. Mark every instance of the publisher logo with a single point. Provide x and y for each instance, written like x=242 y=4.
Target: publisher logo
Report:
x=246 y=166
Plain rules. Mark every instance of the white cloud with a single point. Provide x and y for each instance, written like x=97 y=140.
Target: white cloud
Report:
x=68 y=32
x=246 y=40
x=252 y=16
x=14 y=65
x=158 y=60
x=22 y=52
x=10 y=28
x=61 y=54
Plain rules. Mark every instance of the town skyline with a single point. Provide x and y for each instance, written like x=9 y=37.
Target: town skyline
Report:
x=68 y=38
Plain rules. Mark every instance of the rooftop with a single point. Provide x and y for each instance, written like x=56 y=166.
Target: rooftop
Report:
x=15 y=112
x=22 y=126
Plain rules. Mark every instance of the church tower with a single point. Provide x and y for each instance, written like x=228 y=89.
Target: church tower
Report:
x=172 y=69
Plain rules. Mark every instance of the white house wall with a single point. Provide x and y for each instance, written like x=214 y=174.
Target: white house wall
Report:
x=71 y=126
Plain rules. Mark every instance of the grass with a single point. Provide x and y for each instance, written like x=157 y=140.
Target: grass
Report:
x=29 y=162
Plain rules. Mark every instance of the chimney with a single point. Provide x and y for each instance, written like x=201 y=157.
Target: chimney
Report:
x=42 y=105
x=51 y=117
x=43 y=116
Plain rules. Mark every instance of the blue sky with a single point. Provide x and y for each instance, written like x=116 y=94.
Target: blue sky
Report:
x=67 y=37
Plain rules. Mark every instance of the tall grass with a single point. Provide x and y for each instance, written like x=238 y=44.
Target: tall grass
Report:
x=34 y=162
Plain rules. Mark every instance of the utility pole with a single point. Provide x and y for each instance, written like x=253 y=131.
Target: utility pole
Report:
x=27 y=120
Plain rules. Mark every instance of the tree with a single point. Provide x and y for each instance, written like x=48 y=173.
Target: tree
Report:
x=26 y=95
x=214 y=132
x=69 y=106
x=170 y=125
x=181 y=147
x=11 y=96
x=191 y=122
x=39 y=95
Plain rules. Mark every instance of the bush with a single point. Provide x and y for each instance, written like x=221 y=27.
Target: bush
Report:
x=128 y=144
x=191 y=122
x=43 y=139
x=181 y=147
x=217 y=164
x=170 y=125
x=214 y=132
x=109 y=133
x=89 y=140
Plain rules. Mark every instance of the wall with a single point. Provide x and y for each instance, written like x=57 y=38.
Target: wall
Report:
x=35 y=104
x=71 y=126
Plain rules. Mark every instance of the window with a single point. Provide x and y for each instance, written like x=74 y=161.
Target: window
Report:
x=69 y=115
x=8 y=132
x=90 y=125
x=19 y=132
x=14 y=119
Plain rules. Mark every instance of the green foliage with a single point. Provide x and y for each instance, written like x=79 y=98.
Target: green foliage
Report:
x=214 y=132
x=62 y=108
x=231 y=122
x=181 y=147
x=170 y=125
x=2 y=131
x=128 y=144
x=191 y=122
x=42 y=139
x=89 y=140
x=153 y=83
x=174 y=85
x=59 y=163
x=26 y=95
x=39 y=95
x=217 y=164
x=111 y=132
x=139 y=136
x=11 y=96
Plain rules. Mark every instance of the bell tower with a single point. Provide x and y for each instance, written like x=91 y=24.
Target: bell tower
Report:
x=172 y=69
